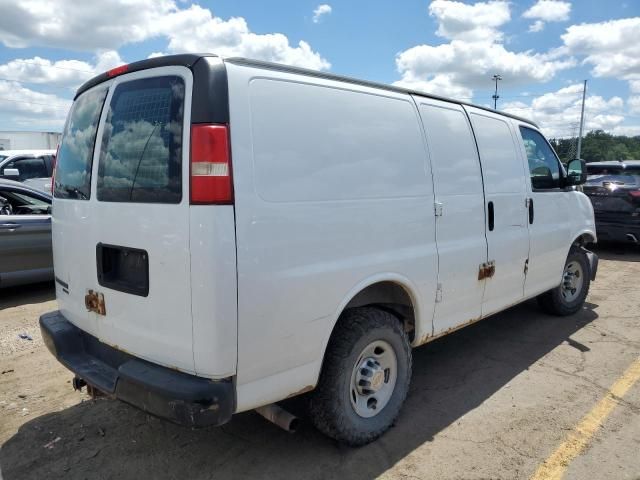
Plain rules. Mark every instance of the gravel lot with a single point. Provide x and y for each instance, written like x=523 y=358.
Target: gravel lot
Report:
x=493 y=400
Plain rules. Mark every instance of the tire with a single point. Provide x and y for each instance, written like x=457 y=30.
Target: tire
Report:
x=561 y=301
x=334 y=404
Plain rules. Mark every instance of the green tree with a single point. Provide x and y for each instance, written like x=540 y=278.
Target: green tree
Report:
x=598 y=146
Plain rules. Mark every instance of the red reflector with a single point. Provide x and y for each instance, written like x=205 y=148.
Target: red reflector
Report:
x=635 y=193
x=210 y=165
x=114 y=72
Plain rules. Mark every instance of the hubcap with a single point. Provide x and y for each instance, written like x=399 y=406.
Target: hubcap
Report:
x=373 y=378
x=572 y=281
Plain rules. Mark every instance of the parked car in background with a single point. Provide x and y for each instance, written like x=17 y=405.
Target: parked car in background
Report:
x=25 y=234
x=31 y=166
x=614 y=190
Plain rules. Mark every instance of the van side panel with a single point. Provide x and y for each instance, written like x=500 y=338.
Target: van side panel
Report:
x=332 y=188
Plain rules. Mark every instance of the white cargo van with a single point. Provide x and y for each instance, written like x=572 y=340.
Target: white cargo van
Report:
x=229 y=233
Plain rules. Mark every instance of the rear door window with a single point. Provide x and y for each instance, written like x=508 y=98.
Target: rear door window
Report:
x=75 y=157
x=141 y=152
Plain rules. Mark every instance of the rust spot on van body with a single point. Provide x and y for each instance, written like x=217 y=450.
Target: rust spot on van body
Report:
x=94 y=301
x=430 y=338
x=487 y=270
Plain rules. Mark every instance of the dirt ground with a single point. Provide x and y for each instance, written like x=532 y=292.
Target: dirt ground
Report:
x=493 y=400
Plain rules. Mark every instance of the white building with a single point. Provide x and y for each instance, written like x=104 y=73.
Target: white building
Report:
x=29 y=140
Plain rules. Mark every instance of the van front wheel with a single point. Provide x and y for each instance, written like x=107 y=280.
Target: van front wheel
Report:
x=365 y=377
x=569 y=296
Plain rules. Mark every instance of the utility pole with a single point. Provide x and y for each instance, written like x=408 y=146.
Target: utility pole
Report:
x=584 y=94
x=495 y=95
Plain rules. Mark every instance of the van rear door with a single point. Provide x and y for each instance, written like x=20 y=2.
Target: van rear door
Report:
x=121 y=215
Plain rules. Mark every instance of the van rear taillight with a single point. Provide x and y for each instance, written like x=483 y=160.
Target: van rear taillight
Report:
x=211 y=181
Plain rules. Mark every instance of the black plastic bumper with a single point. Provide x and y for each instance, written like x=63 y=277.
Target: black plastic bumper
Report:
x=618 y=232
x=181 y=398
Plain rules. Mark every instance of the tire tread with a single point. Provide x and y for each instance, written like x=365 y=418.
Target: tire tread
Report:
x=325 y=407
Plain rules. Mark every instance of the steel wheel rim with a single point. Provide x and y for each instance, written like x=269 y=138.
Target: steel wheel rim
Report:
x=373 y=379
x=572 y=281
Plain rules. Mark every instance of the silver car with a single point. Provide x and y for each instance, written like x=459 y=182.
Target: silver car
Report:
x=25 y=234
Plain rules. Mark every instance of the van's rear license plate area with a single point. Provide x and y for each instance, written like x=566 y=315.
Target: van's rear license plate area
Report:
x=123 y=268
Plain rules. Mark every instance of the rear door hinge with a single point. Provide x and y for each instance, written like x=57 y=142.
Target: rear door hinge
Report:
x=437 y=208
x=439 y=293
x=526 y=266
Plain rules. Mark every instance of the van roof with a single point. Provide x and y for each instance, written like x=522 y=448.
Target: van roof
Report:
x=189 y=59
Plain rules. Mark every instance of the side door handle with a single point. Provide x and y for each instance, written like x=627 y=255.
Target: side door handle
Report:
x=491 y=216
x=530 y=211
x=11 y=226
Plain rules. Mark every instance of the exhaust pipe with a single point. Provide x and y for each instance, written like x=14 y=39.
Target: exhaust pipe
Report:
x=279 y=416
x=632 y=237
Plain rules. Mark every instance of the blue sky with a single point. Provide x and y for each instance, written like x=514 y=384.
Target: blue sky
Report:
x=542 y=48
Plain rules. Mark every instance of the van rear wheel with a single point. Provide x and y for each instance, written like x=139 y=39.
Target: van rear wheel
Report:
x=365 y=377
x=569 y=296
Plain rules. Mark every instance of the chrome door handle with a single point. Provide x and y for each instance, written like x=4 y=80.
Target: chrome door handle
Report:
x=9 y=226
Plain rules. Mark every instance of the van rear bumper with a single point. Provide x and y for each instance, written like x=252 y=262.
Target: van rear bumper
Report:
x=179 y=397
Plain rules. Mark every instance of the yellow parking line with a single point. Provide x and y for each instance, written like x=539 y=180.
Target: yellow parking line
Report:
x=578 y=439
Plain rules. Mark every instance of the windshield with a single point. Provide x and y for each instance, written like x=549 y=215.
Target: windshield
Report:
x=73 y=171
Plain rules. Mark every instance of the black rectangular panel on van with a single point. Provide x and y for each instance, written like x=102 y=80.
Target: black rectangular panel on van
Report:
x=123 y=268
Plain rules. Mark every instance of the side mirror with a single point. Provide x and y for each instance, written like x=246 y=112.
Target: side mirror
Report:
x=576 y=172
x=11 y=173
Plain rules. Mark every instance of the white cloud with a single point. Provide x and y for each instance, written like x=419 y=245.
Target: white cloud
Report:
x=441 y=84
x=549 y=11
x=53 y=23
x=461 y=21
x=321 y=10
x=83 y=25
x=611 y=48
x=26 y=107
x=61 y=73
x=196 y=29
x=558 y=113
x=628 y=130
x=536 y=26
x=474 y=53
x=634 y=104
